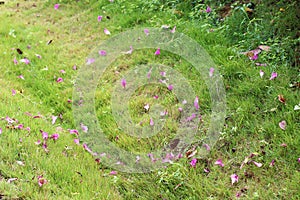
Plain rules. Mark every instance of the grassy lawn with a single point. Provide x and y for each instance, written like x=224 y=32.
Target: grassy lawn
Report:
x=44 y=50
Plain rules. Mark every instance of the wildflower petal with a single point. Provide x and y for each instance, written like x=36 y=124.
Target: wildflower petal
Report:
x=261 y=73
x=54 y=119
x=102 y=53
x=282 y=124
x=208 y=9
x=193 y=162
x=76 y=141
x=146 y=31
x=0 y=131
x=106 y=31
x=89 y=61
x=113 y=173
x=170 y=87
x=56 y=6
x=84 y=128
x=157 y=52
x=211 y=72
x=219 y=162
x=257 y=164
x=59 y=80
x=151 y=122
x=234 y=178
x=55 y=136
x=196 y=103
x=273 y=75
x=99 y=18
x=123 y=83
x=173 y=29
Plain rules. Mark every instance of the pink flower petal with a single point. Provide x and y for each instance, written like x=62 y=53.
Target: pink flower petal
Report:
x=13 y=92
x=208 y=9
x=74 y=67
x=89 y=61
x=76 y=141
x=106 y=31
x=163 y=74
x=147 y=106
x=99 y=18
x=196 y=103
x=102 y=53
x=21 y=77
x=264 y=47
x=272 y=163
x=15 y=61
x=180 y=109
x=54 y=119
x=62 y=71
x=130 y=50
x=146 y=31
x=55 y=136
x=273 y=75
x=38 y=56
x=113 y=173
x=193 y=162
x=157 y=52
x=44 y=135
x=261 y=73
x=41 y=181
x=257 y=164
x=219 y=162
x=84 y=128
x=38 y=142
x=282 y=124
x=151 y=122
x=173 y=29
x=56 y=6
x=170 y=87
x=207 y=147
x=73 y=131
x=211 y=72
x=299 y=160
x=0 y=131
x=283 y=145
x=59 y=80
x=123 y=83
x=234 y=178
x=25 y=60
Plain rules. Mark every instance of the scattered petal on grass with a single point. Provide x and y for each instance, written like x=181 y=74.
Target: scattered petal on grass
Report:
x=21 y=163
x=146 y=31
x=147 y=107
x=165 y=26
x=157 y=52
x=281 y=98
x=219 y=162
x=138 y=158
x=282 y=124
x=163 y=74
x=55 y=136
x=13 y=92
x=155 y=96
x=41 y=181
x=62 y=71
x=272 y=163
x=59 y=80
x=0 y=131
x=211 y=72
x=130 y=50
x=261 y=73
x=254 y=57
x=170 y=87
x=107 y=32
x=149 y=74
x=208 y=9
x=15 y=61
x=113 y=173
x=173 y=29
x=74 y=67
x=234 y=178
x=193 y=162
x=206 y=170
x=44 y=135
x=99 y=18
x=273 y=75
x=150 y=155
x=102 y=53
x=87 y=148
x=257 y=164
x=264 y=47
x=207 y=147
x=180 y=109
x=84 y=128
x=261 y=64
x=184 y=102
x=21 y=77
x=73 y=131
x=89 y=61
x=25 y=60
x=38 y=142
x=196 y=103
x=56 y=6
x=11 y=180
x=38 y=56
x=298 y=160
x=123 y=83
x=283 y=145
x=76 y=141
x=54 y=119
x=190 y=118
x=151 y=122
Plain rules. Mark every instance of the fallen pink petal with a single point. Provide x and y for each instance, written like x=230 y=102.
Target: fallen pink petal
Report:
x=106 y=31
x=55 y=136
x=282 y=125
x=15 y=61
x=261 y=73
x=257 y=164
x=38 y=142
x=41 y=181
x=173 y=29
x=102 y=53
x=21 y=77
x=56 y=6
x=162 y=74
x=207 y=147
x=193 y=162
x=74 y=67
x=73 y=131
x=89 y=61
x=219 y=162
x=170 y=87
x=87 y=148
x=273 y=75
x=264 y=47
x=211 y=72
x=62 y=71
x=283 y=145
x=59 y=80
x=76 y=141
x=38 y=56
x=0 y=131
x=99 y=18
x=130 y=50
x=123 y=83
x=151 y=122
x=54 y=119
x=25 y=60
x=84 y=128
x=113 y=173
x=272 y=163
x=208 y=9
x=234 y=178
x=13 y=92
x=146 y=31
x=196 y=103
x=44 y=135
x=299 y=160
x=157 y=52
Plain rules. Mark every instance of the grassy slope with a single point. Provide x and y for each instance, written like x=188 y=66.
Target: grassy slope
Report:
x=251 y=126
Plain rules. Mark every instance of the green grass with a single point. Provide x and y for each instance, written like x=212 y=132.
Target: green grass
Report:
x=252 y=118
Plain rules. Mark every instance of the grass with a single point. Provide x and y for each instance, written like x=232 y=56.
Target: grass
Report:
x=252 y=118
